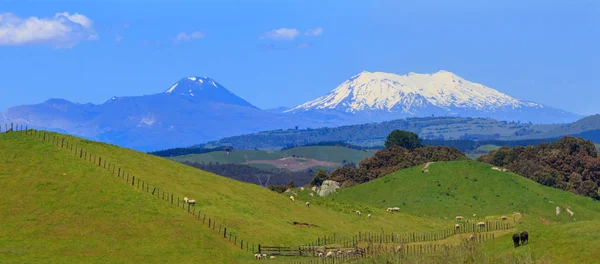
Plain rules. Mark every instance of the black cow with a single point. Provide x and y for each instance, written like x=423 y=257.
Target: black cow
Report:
x=524 y=238
x=516 y=239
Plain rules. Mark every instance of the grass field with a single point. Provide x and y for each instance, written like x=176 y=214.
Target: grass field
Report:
x=88 y=212
x=470 y=188
x=319 y=153
x=61 y=209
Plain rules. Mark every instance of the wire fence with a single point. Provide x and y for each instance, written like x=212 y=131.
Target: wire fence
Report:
x=134 y=180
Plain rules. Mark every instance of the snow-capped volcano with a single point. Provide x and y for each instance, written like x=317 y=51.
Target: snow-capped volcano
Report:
x=406 y=93
x=204 y=88
x=413 y=94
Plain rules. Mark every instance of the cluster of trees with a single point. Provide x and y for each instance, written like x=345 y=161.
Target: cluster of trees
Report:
x=404 y=150
x=186 y=151
x=249 y=174
x=569 y=164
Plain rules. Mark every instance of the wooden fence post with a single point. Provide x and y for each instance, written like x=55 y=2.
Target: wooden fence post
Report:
x=119 y=175
x=99 y=161
x=225 y=234
x=132 y=180
x=171 y=198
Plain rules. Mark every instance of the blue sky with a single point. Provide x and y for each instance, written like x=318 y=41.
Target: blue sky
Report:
x=543 y=51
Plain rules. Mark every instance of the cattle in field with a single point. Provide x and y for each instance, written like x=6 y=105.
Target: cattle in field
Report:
x=524 y=238
x=516 y=239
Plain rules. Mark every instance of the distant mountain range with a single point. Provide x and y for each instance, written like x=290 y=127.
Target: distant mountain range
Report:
x=199 y=109
x=379 y=96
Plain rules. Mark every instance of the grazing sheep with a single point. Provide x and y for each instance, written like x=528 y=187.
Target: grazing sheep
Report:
x=272 y=257
x=524 y=238
x=311 y=194
x=471 y=237
x=399 y=248
x=185 y=199
x=257 y=256
x=389 y=209
x=301 y=188
x=264 y=256
x=459 y=218
x=192 y=202
x=504 y=217
x=396 y=209
x=481 y=224
x=320 y=254
x=557 y=210
x=570 y=212
x=516 y=239
x=358 y=213
x=369 y=216
x=457 y=226
x=308 y=204
x=474 y=215
x=292 y=198
x=329 y=254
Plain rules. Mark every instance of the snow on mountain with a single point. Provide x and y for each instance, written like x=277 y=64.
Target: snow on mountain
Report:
x=407 y=93
x=204 y=88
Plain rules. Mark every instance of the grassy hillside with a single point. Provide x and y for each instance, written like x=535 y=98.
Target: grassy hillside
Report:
x=321 y=153
x=470 y=188
x=88 y=206
x=57 y=209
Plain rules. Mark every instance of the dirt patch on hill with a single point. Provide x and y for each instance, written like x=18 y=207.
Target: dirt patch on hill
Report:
x=295 y=164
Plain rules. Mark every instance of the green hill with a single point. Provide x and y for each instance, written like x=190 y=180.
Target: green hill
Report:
x=67 y=209
x=475 y=191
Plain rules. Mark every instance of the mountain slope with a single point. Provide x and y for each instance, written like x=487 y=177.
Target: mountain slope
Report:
x=195 y=109
x=387 y=95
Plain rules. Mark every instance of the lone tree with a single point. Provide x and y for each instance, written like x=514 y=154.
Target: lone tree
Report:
x=405 y=139
x=319 y=178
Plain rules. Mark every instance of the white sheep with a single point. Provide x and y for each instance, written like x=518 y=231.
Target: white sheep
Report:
x=257 y=256
x=292 y=198
x=389 y=209
x=329 y=254
x=481 y=224
x=457 y=226
x=192 y=202
x=460 y=217
x=311 y=194
x=471 y=237
x=264 y=256
x=320 y=254
x=570 y=212
x=301 y=188
x=369 y=216
x=185 y=199
x=557 y=210
x=504 y=217
x=358 y=213
x=308 y=204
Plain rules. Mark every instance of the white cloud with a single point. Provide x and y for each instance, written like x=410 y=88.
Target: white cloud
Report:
x=62 y=30
x=314 y=32
x=182 y=36
x=282 y=34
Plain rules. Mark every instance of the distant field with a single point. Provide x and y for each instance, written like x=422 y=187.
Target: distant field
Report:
x=294 y=164
x=312 y=156
x=487 y=148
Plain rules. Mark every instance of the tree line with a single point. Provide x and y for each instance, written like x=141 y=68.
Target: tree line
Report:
x=569 y=164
